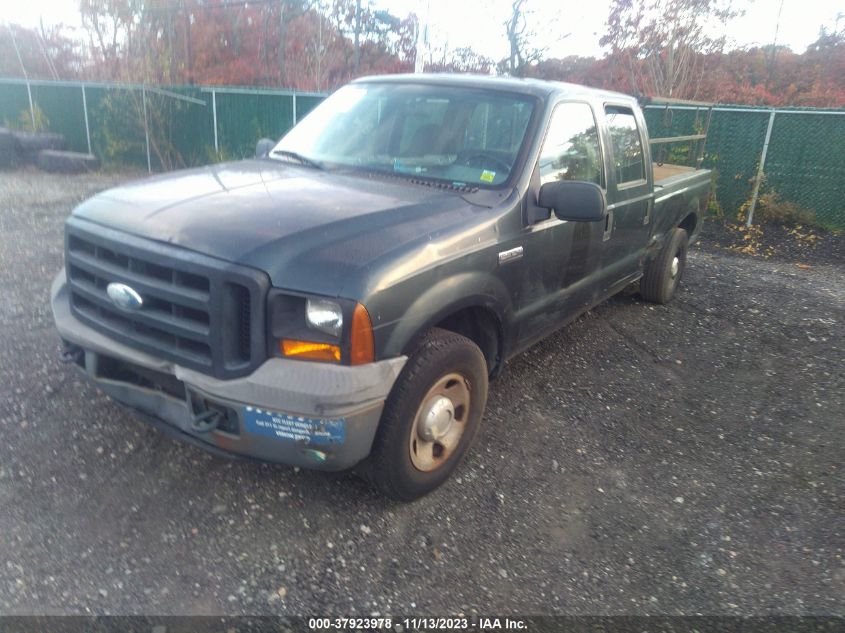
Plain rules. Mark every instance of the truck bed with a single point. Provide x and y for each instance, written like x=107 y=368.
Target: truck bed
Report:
x=667 y=171
x=673 y=178
x=676 y=189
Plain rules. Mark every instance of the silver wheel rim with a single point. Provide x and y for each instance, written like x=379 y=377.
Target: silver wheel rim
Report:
x=676 y=266
x=440 y=422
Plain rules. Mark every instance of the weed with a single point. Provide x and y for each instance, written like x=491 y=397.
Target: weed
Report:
x=771 y=208
x=24 y=121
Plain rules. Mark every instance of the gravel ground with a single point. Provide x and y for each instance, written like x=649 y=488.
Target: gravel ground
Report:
x=799 y=244
x=644 y=460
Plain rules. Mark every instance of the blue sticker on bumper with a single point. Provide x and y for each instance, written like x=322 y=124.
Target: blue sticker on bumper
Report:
x=294 y=428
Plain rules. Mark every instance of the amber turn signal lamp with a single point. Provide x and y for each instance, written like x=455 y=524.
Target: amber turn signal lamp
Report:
x=361 y=344
x=308 y=350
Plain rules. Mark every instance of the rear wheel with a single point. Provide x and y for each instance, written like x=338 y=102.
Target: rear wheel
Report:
x=664 y=272
x=430 y=418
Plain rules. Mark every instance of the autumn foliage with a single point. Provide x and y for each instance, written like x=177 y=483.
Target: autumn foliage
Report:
x=654 y=47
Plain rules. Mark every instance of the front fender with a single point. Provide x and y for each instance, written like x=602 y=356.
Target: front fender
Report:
x=444 y=298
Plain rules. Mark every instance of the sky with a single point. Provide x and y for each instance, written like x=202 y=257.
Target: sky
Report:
x=563 y=27
x=574 y=27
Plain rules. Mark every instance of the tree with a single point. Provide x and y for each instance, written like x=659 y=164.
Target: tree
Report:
x=661 y=48
x=522 y=54
x=662 y=44
x=111 y=26
x=45 y=53
x=461 y=60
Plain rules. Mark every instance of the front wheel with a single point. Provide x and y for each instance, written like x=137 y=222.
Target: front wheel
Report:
x=664 y=272
x=430 y=418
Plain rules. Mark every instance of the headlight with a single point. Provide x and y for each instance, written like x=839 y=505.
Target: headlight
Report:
x=325 y=316
x=319 y=329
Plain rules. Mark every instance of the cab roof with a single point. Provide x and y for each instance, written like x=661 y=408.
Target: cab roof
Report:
x=535 y=87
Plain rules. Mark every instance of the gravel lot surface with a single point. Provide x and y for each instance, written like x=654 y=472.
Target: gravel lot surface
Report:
x=644 y=460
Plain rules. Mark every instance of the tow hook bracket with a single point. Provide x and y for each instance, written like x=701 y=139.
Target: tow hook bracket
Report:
x=206 y=421
x=72 y=354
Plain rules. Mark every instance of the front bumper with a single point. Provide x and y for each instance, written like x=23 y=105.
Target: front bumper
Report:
x=300 y=413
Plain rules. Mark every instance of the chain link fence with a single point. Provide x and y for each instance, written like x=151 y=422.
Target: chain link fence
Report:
x=153 y=127
x=167 y=128
x=804 y=165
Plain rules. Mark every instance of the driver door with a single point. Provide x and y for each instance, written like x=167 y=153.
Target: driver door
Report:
x=562 y=258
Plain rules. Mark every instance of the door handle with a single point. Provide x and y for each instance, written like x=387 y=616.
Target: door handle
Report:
x=608 y=226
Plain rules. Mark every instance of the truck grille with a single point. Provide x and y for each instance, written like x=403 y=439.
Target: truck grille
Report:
x=197 y=311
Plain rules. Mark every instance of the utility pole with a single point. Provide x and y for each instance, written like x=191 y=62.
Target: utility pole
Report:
x=421 y=51
x=283 y=31
x=774 y=53
x=190 y=48
x=189 y=62
x=319 y=78
x=357 y=35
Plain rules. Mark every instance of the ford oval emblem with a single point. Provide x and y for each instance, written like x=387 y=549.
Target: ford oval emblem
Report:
x=124 y=297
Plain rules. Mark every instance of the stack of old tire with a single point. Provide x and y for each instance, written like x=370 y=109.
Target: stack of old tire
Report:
x=8 y=152
x=44 y=149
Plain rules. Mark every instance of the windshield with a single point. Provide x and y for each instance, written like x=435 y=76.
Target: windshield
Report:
x=459 y=135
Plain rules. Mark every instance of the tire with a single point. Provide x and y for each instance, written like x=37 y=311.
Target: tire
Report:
x=664 y=272
x=405 y=463
x=67 y=162
x=8 y=149
x=29 y=144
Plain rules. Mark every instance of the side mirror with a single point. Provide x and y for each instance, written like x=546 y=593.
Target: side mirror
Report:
x=263 y=147
x=574 y=200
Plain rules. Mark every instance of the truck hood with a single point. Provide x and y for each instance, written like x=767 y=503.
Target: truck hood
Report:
x=310 y=230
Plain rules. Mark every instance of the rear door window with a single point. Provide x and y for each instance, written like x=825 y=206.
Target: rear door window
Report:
x=626 y=145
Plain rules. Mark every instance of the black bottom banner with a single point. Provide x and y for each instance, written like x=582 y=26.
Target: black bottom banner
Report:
x=411 y=624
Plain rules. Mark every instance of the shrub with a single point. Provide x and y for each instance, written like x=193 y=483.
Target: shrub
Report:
x=24 y=121
x=771 y=208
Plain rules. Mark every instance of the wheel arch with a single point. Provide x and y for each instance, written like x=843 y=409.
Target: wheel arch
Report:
x=483 y=327
x=692 y=220
x=474 y=305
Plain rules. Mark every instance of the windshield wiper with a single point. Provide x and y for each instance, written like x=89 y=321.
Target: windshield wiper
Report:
x=425 y=181
x=304 y=160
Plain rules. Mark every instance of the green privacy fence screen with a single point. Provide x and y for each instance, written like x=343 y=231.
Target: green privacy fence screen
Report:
x=805 y=160
x=195 y=125
x=181 y=126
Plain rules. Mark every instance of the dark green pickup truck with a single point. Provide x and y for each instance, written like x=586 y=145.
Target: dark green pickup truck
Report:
x=341 y=300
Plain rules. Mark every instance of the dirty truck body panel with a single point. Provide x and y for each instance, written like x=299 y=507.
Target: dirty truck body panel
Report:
x=225 y=262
